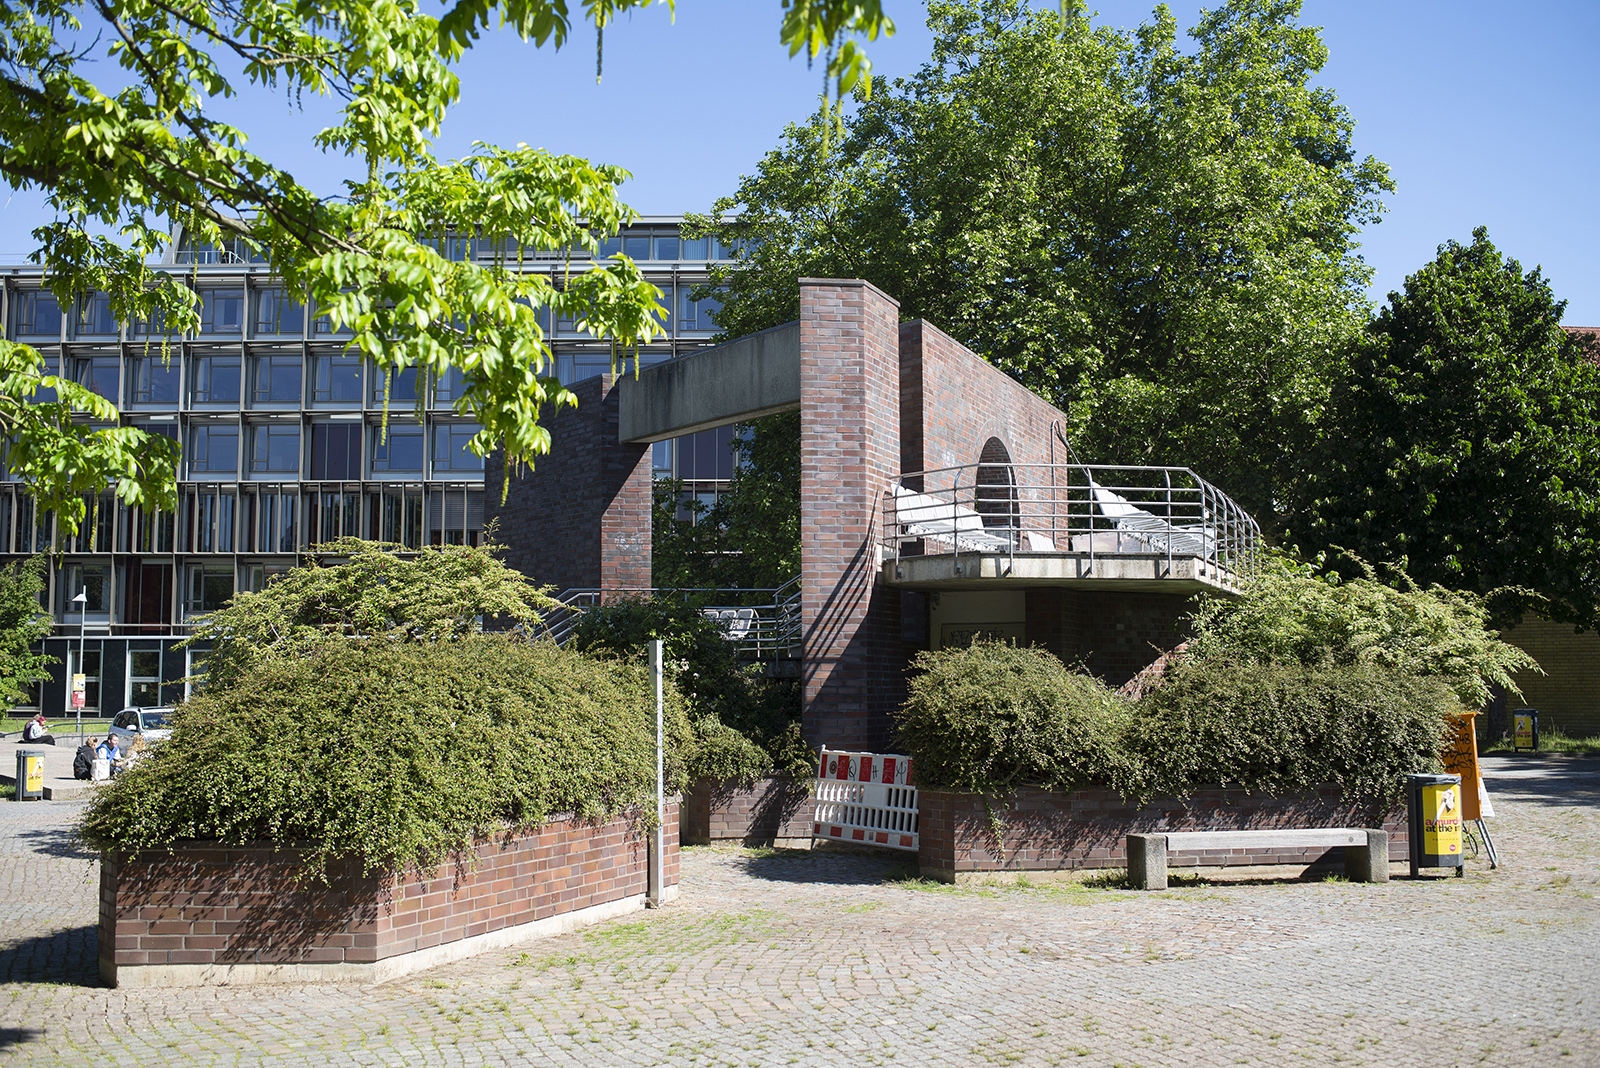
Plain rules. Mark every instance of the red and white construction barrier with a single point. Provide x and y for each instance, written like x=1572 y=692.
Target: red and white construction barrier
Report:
x=869 y=798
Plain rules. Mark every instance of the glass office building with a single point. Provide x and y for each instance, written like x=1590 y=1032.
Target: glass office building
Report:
x=283 y=448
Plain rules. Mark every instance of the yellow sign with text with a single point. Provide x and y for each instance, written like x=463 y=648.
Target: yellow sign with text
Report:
x=35 y=776
x=1524 y=732
x=1441 y=820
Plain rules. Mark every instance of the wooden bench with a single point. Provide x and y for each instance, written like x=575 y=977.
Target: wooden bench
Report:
x=1366 y=851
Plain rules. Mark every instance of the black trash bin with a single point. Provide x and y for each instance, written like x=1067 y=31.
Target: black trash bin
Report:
x=1525 y=730
x=1434 y=805
x=30 y=775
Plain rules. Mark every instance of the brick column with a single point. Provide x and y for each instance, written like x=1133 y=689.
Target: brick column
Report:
x=849 y=450
x=581 y=517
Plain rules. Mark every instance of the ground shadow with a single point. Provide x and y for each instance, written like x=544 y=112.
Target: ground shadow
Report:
x=56 y=842
x=824 y=867
x=14 y=1037
x=69 y=956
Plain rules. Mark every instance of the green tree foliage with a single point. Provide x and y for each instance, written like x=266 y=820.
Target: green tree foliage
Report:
x=748 y=539
x=1296 y=613
x=1161 y=240
x=1463 y=441
x=23 y=625
x=105 y=107
x=394 y=753
x=367 y=590
x=745 y=724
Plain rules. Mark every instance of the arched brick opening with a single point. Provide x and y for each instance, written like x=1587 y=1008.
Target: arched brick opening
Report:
x=995 y=495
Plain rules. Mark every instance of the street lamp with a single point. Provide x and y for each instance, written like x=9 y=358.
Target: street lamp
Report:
x=82 y=601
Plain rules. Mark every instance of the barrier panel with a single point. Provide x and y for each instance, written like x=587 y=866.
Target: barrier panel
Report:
x=869 y=798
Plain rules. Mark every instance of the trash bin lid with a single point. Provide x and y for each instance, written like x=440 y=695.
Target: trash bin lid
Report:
x=1420 y=779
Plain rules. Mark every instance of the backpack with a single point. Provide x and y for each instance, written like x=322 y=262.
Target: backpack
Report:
x=82 y=761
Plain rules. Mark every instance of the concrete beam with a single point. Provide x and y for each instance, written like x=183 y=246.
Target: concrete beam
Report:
x=735 y=382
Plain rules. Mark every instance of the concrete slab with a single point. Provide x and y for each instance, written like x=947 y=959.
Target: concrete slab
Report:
x=59 y=785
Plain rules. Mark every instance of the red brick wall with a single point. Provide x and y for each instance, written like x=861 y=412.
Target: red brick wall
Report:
x=853 y=672
x=767 y=810
x=224 y=905
x=1088 y=829
x=952 y=401
x=581 y=517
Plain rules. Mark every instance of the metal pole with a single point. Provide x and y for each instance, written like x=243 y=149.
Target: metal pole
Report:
x=656 y=881
x=83 y=615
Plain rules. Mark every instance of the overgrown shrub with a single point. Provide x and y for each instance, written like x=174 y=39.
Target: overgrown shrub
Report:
x=991 y=716
x=1280 y=728
x=396 y=753
x=1296 y=612
x=746 y=725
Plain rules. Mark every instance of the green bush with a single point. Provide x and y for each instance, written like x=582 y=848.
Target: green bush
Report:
x=746 y=725
x=396 y=753
x=991 y=716
x=1280 y=728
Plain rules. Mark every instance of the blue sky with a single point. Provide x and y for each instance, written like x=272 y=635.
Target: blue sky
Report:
x=1486 y=114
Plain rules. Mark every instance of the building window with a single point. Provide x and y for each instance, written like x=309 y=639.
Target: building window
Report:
x=398 y=453
x=696 y=315
x=147 y=595
x=455 y=517
x=452 y=248
x=333 y=514
x=663 y=314
x=95 y=318
x=144 y=677
x=87 y=663
x=210 y=587
x=279 y=312
x=210 y=521
x=402 y=385
x=336 y=379
x=450 y=453
x=336 y=451
x=215 y=380
x=277 y=380
x=213 y=449
x=451 y=387
x=91 y=579
x=667 y=247
x=153 y=380
x=221 y=311
x=275 y=449
x=693 y=248
x=271 y=521
x=36 y=314
x=395 y=517
x=636 y=246
x=98 y=374
x=153 y=325
x=253 y=578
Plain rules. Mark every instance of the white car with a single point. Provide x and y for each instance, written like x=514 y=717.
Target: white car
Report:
x=151 y=724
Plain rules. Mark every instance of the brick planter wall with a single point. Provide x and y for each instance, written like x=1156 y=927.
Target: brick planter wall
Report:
x=769 y=812
x=1049 y=832
x=206 y=914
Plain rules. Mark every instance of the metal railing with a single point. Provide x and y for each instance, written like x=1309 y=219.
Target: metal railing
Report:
x=1090 y=510
x=766 y=625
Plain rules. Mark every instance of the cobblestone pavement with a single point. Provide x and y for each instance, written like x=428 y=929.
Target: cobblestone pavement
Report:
x=773 y=959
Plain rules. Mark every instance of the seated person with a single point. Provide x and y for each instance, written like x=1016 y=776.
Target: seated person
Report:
x=109 y=752
x=38 y=732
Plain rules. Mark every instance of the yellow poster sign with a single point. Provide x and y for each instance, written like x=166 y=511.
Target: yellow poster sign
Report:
x=1524 y=725
x=1461 y=758
x=1441 y=820
x=35 y=779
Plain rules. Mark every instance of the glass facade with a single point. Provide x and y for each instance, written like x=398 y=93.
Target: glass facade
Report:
x=287 y=443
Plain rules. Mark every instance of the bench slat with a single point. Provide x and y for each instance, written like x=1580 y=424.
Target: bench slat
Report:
x=1202 y=841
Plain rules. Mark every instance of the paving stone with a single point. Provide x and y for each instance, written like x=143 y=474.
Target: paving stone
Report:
x=778 y=958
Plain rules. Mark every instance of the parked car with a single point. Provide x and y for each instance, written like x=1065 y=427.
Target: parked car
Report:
x=151 y=724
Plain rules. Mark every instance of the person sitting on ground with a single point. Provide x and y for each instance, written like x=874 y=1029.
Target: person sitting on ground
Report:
x=108 y=751
x=38 y=732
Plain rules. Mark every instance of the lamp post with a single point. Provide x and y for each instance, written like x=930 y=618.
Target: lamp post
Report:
x=82 y=601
